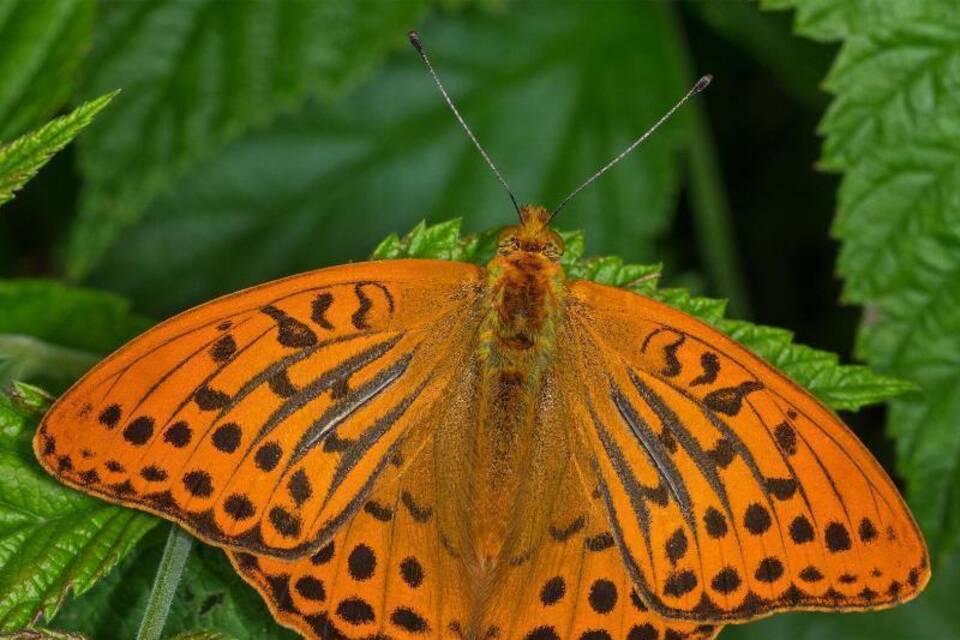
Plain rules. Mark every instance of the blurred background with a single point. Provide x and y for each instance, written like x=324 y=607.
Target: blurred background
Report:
x=253 y=140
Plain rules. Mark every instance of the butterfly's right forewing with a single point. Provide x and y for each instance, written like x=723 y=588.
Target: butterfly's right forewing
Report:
x=731 y=492
x=261 y=420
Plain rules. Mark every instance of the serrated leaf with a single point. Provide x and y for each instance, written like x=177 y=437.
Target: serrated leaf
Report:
x=42 y=43
x=838 y=386
x=53 y=541
x=828 y=20
x=211 y=596
x=53 y=333
x=198 y=74
x=576 y=84
x=893 y=130
x=21 y=159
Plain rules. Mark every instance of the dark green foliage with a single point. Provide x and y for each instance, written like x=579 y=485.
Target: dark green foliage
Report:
x=256 y=139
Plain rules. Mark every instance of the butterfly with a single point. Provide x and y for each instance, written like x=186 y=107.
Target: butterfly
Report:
x=431 y=449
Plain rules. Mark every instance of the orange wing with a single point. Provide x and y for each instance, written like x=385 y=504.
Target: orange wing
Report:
x=731 y=492
x=392 y=570
x=384 y=573
x=259 y=421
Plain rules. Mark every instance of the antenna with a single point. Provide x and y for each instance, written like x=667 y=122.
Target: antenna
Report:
x=701 y=84
x=415 y=41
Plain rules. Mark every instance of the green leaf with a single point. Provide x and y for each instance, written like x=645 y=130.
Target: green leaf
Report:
x=828 y=20
x=53 y=541
x=42 y=43
x=53 y=333
x=211 y=596
x=577 y=83
x=893 y=130
x=21 y=159
x=198 y=74
x=41 y=634
x=203 y=635
x=838 y=386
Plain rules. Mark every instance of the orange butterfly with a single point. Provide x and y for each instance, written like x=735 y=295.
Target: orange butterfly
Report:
x=426 y=449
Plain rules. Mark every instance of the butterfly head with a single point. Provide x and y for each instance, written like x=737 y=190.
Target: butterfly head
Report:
x=532 y=235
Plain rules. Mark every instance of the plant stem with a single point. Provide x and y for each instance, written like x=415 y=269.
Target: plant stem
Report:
x=165 y=584
x=710 y=210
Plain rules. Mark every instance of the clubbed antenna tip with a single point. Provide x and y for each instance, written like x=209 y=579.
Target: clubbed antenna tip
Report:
x=415 y=41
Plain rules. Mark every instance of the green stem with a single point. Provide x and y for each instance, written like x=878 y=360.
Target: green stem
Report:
x=710 y=209
x=165 y=584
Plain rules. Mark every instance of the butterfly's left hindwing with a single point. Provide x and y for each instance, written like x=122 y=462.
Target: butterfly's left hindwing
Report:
x=731 y=492
x=259 y=421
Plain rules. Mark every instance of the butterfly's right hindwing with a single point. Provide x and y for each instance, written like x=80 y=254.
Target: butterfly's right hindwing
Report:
x=261 y=420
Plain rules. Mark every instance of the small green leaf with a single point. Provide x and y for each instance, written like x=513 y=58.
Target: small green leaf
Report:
x=838 y=386
x=42 y=43
x=53 y=333
x=21 y=159
x=53 y=541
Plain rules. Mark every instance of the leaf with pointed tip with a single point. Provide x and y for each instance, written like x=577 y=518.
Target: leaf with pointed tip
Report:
x=22 y=158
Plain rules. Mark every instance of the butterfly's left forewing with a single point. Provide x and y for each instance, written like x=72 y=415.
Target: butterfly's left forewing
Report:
x=259 y=421
x=731 y=492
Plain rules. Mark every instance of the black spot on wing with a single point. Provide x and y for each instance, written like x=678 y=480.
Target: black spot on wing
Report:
x=837 y=537
x=139 y=431
x=786 y=438
x=711 y=367
x=412 y=572
x=673 y=366
x=409 y=620
x=553 y=590
x=801 y=531
x=782 y=488
x=729 y=400
x=227 y=436
x=290 y=331
x=359 y=317
x=318 y=310
x=178 y=434
x=110 y=416
x=757 y=519
x=599 y=542
x=209 y=399
x=223 y=349
x=285 y=523
x=417 y=512
x=602 y=596
x=299 y=487
x=680 y=583
x=381 y=512
x=565 y=533
x=676 y=546
x=280 y=384
x=311 y=588
x=362 y=562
